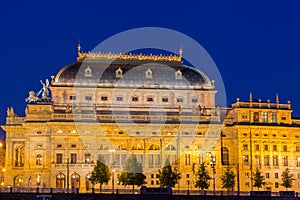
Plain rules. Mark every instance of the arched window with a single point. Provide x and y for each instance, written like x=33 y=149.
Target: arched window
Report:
x=225 y=156
x=88 y=183
x=60 y=180
x=18 y=181
x=75 y=180
x=154 y=147
x=39 y=159
x=19 y=156
x=137 y=147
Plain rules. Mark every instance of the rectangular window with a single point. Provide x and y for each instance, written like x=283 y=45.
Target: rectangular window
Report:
x=59 y=146
x=273 y=117
x=297 y=148
x=266 y=160
x=298 y=184
x=135 y=99
x=73 y=158
x=244 y=116
x=284 y=148
x=266 y=147
x=103 y=98
x=267 y=175
x=187 y=159
x=276 y=184
x=298 y=161
x=187 y=175
x=194 y=100
x=59 y=158
x=150 y=99
x=200 y=159
x=285 y=160
x=73 y=145
x=256 y=117
x=276 y=175
x=152 y=175
x=119 y=98
x=150 y=160
x=165 y=99
x=72 y=97
x=247 y=184
x=88 y=98
x=245 y=146
x=257 y=147
x=298 y=175
x=180 y=100
x=246 y=160
x=246 y=174
x=87 y=158
x=275 y=160
x=264 y=117
x=283 y=118
x=274 y=147
x=257 y=160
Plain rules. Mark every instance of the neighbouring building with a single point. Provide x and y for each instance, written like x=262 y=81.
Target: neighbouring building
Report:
x=114 y=105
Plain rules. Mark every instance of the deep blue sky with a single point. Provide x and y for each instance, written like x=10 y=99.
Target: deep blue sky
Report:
x=255 y=44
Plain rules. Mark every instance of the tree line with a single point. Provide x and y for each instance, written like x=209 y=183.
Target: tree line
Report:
x=132 y=174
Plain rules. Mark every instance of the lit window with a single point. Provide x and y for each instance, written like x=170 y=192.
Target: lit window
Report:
x=178 y=74
x=247 y=184
x=266 y=160
x=298 y=161
x=273 y=117
x=119 y=73
x=59 y=158
x=225 y=156
x=244 y=116
x=246 y=160
x=246 y=174
x=257 y=147
x=297 y=148
x=73 y=158
x=276 y=175
x=245 y=146
x=87 y=158
x=275 y=161
x=88 y=98
x=264 y=117
x=256 y=117
x=285 y=160
x=257 y=160
x=39 y=159
x=148 y=73
x=88 y=72
x=187 y=159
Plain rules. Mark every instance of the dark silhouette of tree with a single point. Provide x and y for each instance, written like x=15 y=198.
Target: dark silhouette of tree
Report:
x=228 y=179
x=259 y=179
x=287 y=179
x=132 y=173
x=167 y=176
x=202 y=177
x=100 y=173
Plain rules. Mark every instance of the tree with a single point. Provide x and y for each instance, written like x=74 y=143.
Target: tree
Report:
x=132 y=173
x=202 y=177
x=228 y=179
x=100 y=173
x=168 y=177
x=287 y=179
x=259 y=179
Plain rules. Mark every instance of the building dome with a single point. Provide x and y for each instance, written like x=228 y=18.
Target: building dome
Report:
x=119 y=70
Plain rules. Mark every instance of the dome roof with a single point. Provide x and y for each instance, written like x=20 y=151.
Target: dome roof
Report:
x=122 y=72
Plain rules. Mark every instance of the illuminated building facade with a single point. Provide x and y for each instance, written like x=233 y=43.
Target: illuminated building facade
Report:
x=114 y=105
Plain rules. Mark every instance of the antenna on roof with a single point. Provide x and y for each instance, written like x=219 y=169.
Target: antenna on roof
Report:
x=251 y=99
x=78 y=49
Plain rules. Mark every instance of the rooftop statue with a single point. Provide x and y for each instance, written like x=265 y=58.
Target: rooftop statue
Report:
x=44 y=92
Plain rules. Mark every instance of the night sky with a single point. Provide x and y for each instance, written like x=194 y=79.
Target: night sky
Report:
x=255 y=44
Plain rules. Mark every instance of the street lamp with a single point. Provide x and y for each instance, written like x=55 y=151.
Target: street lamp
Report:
x=213 y=165
x=112 y=151
x=113 y=180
